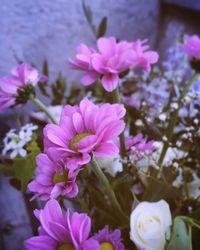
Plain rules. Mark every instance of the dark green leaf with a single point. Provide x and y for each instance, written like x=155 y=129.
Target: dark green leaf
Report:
x=102 y=27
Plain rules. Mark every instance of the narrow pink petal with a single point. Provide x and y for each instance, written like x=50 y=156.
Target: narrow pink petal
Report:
x=110 y=82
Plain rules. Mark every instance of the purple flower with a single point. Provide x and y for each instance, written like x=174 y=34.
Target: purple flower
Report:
x=60 y=232
x=20 y=78
x=138 y=145
x=111 y=59
x=192 y=46
x=53 y=179
x=109 y=241
x=84 y=130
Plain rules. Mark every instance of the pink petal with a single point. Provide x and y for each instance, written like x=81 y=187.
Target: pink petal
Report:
x=89 y=78
x=107 y=46
x=106 y=149
x=110 y=82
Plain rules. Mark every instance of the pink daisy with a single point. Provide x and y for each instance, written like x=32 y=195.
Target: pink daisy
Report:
x=85 y=130
x=53 y=180
x=16 y=85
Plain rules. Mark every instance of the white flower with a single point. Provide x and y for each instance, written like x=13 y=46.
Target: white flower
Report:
x=150 y=224
x=15 y=148
x=25 y=136
x=14 y=142
x=112 y=165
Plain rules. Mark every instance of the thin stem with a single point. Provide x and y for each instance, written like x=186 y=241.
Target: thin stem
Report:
x=42 y=107
x=173 y=120
x=116 y=99
x=103 y=179
x=83 y=204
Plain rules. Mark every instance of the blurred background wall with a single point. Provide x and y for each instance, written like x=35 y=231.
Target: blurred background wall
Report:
x=35 y=30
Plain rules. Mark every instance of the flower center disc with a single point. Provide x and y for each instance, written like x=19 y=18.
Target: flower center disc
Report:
x=60 y=178
x=106 y=246
x=76 y=139
x=67 y=246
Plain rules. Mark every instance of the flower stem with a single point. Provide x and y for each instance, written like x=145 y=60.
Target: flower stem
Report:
x=103 y=179
x=42 y=107
x=116 y=99
x=173 y=120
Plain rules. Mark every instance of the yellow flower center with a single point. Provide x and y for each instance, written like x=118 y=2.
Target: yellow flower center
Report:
x=60 y=178
x=106 y=246
x=76 y=139
x=67 y=246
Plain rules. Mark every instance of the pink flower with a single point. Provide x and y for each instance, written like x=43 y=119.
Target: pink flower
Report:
x=138 y=144
x=192 y=46
x=10 y=86
x=140 y=57
x=58 y=231
x=111 y=60
x=109 y=240
x=83 y=131
x=83 y=62
x=53 y=180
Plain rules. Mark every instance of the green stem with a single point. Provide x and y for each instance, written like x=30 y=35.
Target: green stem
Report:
x=116 y=99
x=103 y=179
x=83 y=204
x=42 y=107
x=173 y=120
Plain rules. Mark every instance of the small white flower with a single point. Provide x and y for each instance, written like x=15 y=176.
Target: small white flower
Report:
x=14 y=142
x=174 y=105
x=139 y=123
x=25 y=136
x=150 y=223
x=112 y=165
x=15 y=148
x=162 y=117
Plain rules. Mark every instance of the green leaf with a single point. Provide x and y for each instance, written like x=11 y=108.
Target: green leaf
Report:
x=24 y=167
x=102 y=27
x=181 y=235
x=6 y=169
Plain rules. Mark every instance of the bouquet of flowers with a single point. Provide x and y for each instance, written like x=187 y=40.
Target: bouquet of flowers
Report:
x=116 y=161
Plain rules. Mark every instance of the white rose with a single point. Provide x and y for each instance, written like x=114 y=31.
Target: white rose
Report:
x=150 y=223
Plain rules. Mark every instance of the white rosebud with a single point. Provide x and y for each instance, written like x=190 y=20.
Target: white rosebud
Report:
x=150 y=224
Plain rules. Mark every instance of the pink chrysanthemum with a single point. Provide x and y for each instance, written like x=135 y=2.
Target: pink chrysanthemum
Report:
x=59 y=232
x=192 y=46
x=109 y=240
x=10 y=86
x=52 y=180
x=83 y=131
x=111 y=59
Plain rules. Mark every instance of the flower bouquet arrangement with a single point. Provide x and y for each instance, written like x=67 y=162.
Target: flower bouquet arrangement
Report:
x=116 y=159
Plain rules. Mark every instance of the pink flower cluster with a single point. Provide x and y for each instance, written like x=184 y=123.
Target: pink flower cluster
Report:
x=60 y=231
x=111 y=59
x=192 y=46
x=19 y=78
x=84 y=131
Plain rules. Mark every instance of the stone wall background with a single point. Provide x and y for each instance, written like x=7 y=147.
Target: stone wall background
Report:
x=34 y=30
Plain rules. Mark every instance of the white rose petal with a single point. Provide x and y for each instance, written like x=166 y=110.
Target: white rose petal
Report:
x=150 y=223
